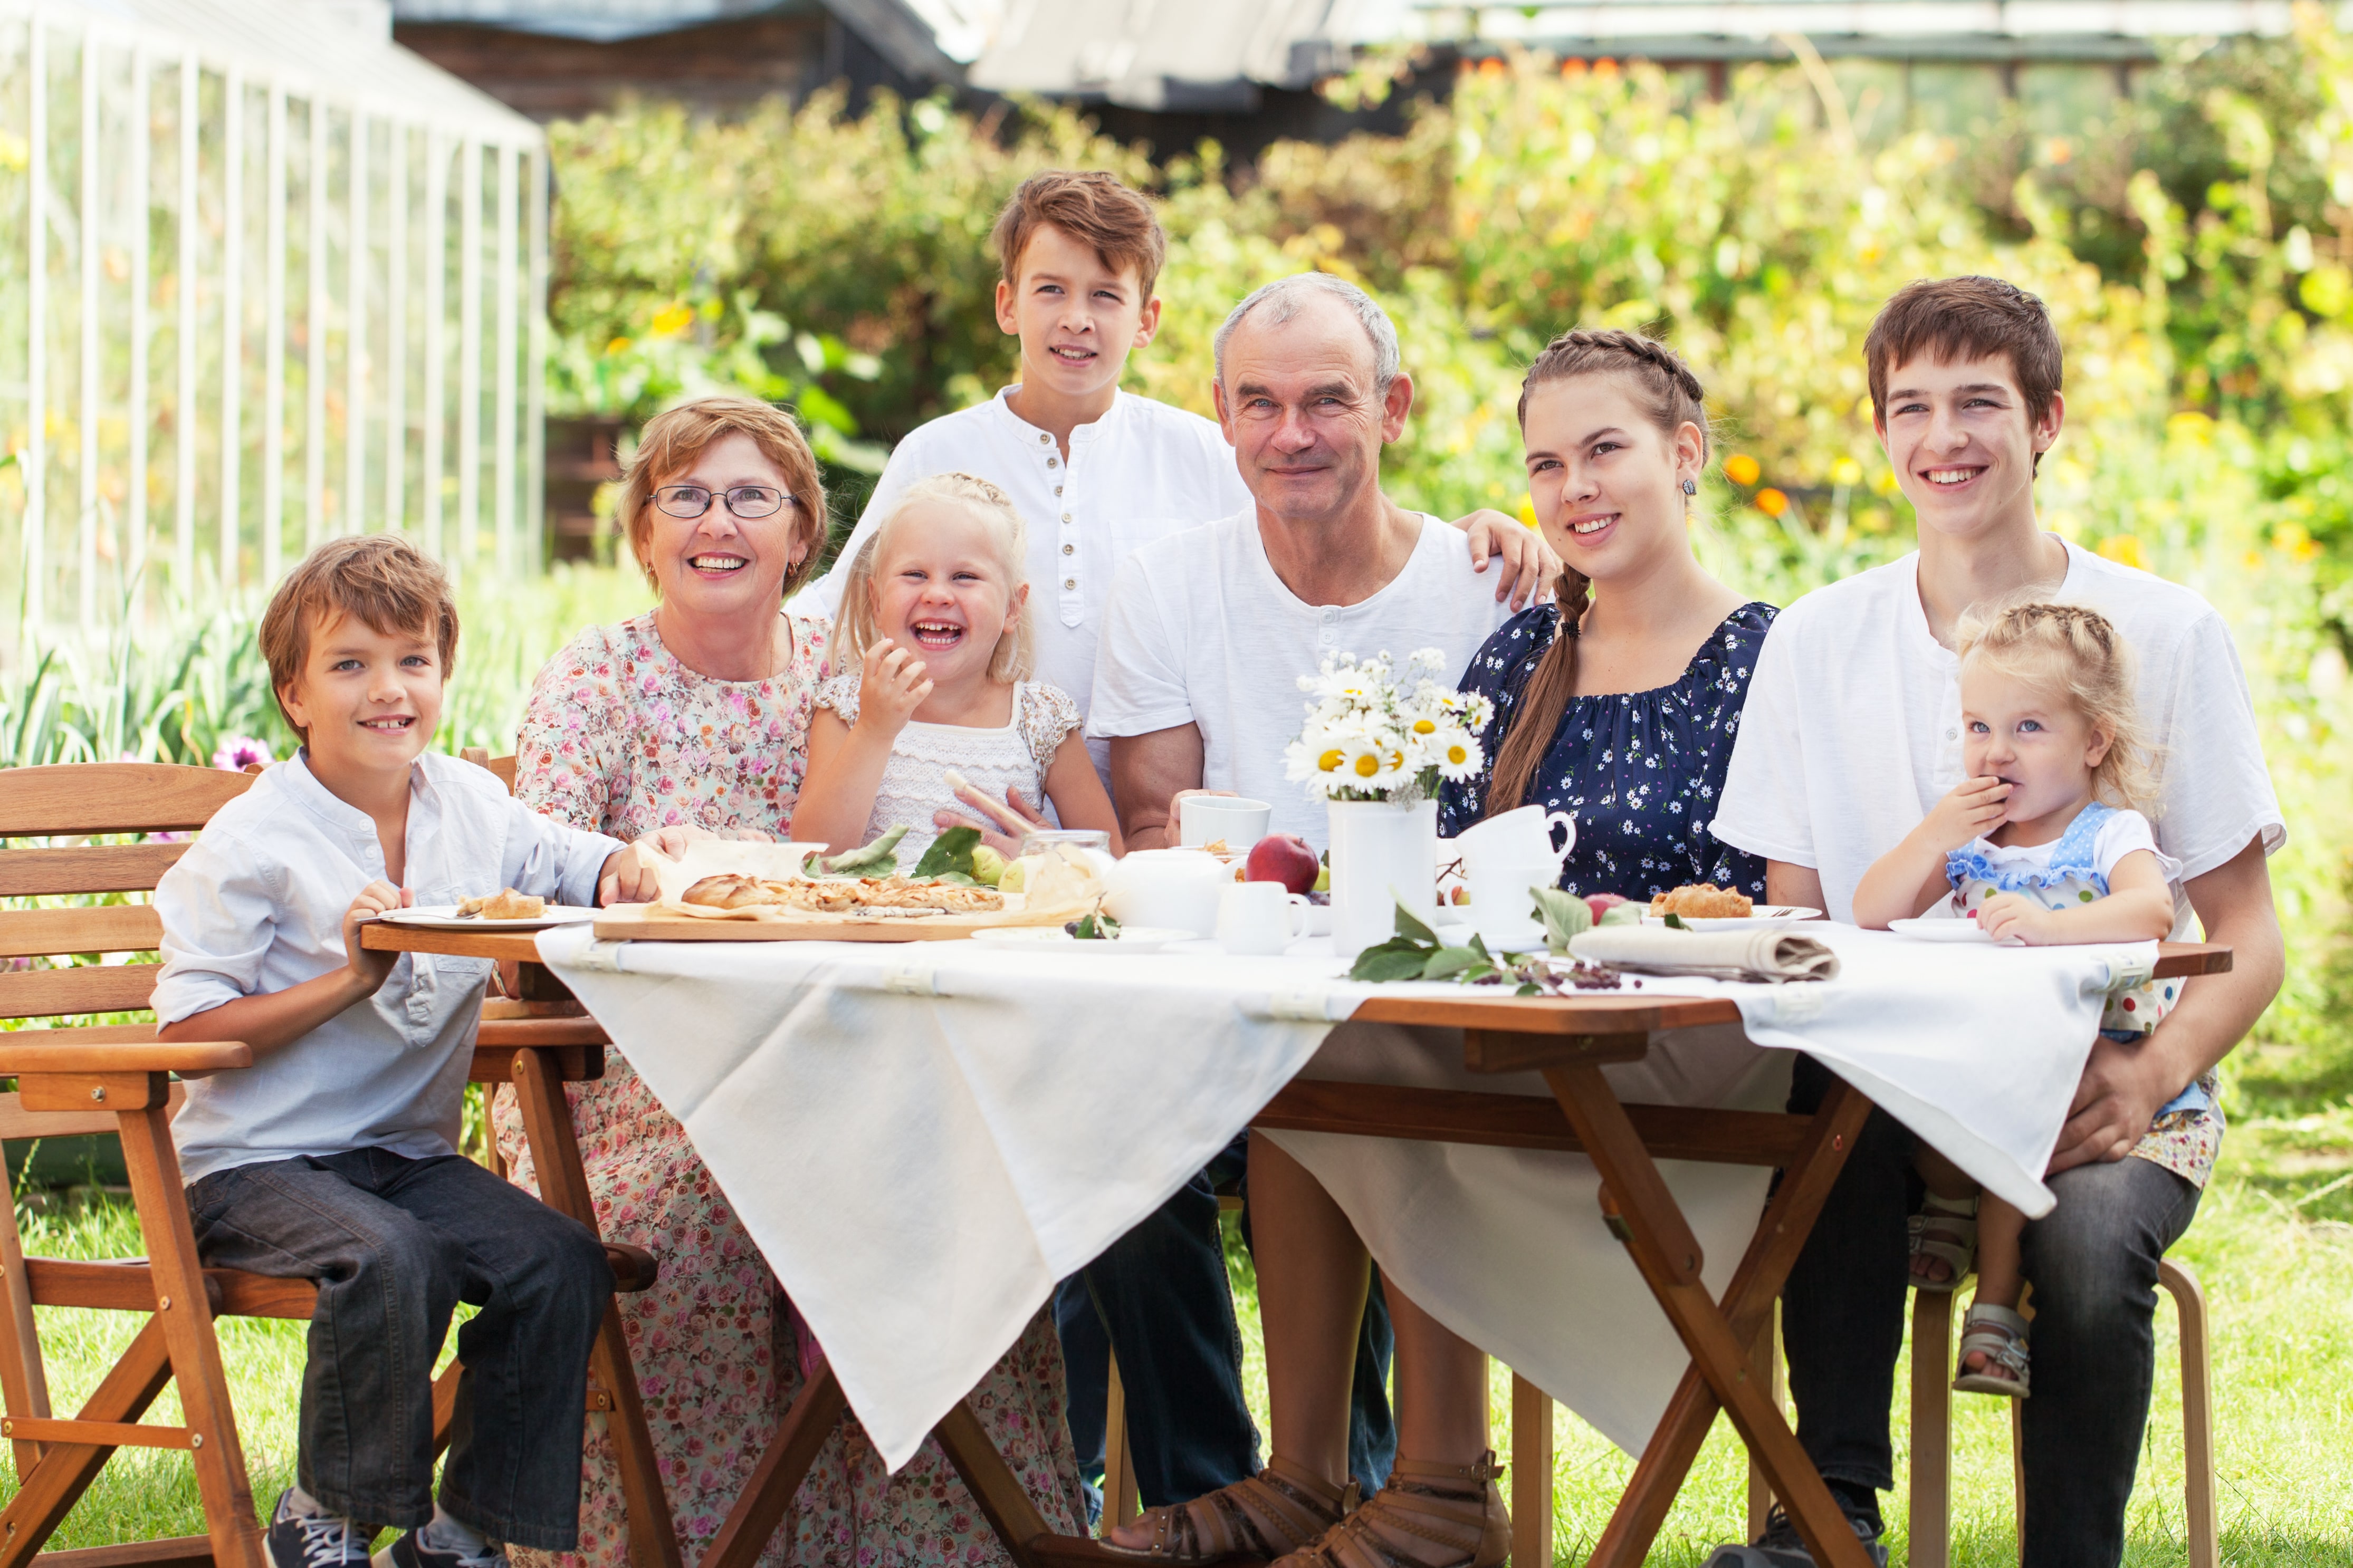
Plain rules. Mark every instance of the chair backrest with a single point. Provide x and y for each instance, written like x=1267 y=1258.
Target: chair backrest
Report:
x=502 y=766
x=80 y=800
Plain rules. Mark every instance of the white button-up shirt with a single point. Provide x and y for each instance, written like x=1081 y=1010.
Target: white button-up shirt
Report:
x=1143 y=471
x=257 y=906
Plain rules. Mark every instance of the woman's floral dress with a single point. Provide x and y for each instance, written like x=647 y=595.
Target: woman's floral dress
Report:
x=621 y=737
x=1640 y=772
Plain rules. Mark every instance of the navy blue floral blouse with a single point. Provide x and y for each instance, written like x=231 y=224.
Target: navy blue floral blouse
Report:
x=1639 y=771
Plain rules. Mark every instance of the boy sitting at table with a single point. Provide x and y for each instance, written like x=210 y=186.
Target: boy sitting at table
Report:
x=333 y=1157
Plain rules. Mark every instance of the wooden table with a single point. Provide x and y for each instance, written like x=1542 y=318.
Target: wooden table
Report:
x=1568 y=1040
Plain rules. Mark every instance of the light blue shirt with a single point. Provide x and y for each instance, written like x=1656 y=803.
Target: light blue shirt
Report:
x=257 y=906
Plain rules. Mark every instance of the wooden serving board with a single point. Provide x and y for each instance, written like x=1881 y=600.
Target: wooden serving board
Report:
x=648 y=922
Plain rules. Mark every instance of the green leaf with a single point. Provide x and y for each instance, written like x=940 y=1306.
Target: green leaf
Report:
x=876 y=859
x=1409 y=925
x=1399 y=959
x=1529 y=988
x=1675 y=922
x=1450 y=961
x=951 y=851
x=1565 y=915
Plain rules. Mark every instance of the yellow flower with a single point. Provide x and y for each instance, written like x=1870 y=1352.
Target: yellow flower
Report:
x=1330 y=760
x=1771 y=502
x=2124 y=550
x=675 y=319
x=1367 y=764
x=1424 y=727
x=1742 y=469
x=1846 y=471
x=618 y=346
x=1526 y=510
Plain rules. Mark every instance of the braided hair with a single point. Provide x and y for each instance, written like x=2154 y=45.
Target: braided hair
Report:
x=1673 y=398
x=2077 y=655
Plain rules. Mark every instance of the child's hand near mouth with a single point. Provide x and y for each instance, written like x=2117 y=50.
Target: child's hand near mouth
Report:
x=1972 y=809
x=891 y=686
x=1911 y=877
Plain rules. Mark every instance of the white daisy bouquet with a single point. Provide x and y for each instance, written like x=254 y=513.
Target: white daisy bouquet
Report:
x=1373 y=735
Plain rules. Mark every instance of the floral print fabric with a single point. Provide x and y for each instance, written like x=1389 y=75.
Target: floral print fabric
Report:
x=1640 y=772
x=621 y=737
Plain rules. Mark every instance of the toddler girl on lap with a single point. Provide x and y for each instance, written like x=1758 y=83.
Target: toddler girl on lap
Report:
x=936 y=646
x=2040 y=845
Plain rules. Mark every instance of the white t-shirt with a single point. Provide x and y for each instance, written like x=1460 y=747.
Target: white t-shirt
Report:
x=1143 y=471
x=257 y=905
x=1200 y=630
x=1852 y=730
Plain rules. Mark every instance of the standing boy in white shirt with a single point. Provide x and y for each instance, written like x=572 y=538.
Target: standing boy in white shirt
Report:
x=1851 y=733
x=333 y=1158
x=1096 y=473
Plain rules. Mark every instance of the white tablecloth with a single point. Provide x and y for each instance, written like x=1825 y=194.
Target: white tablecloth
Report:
x=923 y=1138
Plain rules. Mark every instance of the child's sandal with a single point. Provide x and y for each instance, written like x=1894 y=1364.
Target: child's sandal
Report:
x=1946 y=1230
x=2001 y=1334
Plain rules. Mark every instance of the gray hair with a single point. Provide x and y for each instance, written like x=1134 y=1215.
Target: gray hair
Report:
x=1282 y=300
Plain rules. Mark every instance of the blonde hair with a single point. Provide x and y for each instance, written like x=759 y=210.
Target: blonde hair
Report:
x=2076 y=654
x=674 y=439
x=854 y=630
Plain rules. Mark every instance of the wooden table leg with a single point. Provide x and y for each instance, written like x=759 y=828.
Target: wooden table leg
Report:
x=1659 y=1238
x=1781 y=1233
x=1531 y=1475
x=786 y=1462
x=564 y=1186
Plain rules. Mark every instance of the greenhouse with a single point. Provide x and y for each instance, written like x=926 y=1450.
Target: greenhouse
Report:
x=265 y=277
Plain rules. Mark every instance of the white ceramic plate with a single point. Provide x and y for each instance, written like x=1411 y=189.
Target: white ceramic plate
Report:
x=444 y=916
x=1925 y=929
x=1759 y=915
x=1130 y=939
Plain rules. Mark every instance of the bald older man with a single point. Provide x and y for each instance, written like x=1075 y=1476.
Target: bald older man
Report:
x=1208 y=630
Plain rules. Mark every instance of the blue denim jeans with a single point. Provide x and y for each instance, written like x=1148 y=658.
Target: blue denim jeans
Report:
x=395 y=1244
x=2093 y=1264
x=1160 y=1297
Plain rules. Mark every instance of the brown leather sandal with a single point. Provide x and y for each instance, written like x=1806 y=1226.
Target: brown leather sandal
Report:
x=1280 y=1508
x=1429 y=1516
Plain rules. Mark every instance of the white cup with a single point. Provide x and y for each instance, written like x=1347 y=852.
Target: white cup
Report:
x=1205 y=819
x=1168 y=888
x=1522 y=835
x=1261 y=918
x=1500 y=905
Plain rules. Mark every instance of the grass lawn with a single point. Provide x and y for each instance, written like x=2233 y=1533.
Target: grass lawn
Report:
x=2273 y=1244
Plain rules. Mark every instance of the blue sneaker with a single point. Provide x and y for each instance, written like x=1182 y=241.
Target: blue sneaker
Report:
x=313 y=1540
x=414 y=1551
x=1782 y=1547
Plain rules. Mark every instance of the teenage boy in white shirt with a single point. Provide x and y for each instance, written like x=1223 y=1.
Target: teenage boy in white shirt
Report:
x=1093 y=470
x=1851 y=733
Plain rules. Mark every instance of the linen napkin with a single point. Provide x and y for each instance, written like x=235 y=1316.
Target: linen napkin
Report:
x=1766 y=953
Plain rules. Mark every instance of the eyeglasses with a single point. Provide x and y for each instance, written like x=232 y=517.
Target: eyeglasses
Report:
x=743 y=500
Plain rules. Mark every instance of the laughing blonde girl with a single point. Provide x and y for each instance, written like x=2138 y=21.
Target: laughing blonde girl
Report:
x=936 y=716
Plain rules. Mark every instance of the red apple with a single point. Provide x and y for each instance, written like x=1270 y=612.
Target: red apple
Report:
x=1602 y=903
x=1282 y=858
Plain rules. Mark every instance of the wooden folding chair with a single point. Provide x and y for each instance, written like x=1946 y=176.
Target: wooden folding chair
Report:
x=116 y=1079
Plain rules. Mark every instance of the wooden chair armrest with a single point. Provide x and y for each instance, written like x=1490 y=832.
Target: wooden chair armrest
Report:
x=633 y=1268
x=24 y=1052
x=507 y=1033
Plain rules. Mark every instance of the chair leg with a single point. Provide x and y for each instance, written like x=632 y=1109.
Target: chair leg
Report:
x=1764 y=1366
x=1531 y=1475
x=1932 y=1428
x=2197 y=1413
x=185 y=1312
x=1120 y=1502
x=23 y=1385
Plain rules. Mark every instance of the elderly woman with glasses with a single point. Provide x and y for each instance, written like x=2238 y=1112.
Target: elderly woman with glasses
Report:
x=697 y=712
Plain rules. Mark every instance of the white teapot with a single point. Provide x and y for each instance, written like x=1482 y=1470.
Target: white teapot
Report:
x=1168 y=888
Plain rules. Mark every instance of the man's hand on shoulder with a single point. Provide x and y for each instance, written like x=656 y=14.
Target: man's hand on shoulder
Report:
x=1528 y=564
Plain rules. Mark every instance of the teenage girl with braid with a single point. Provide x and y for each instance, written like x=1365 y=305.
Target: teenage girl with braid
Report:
x=1617 y=703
